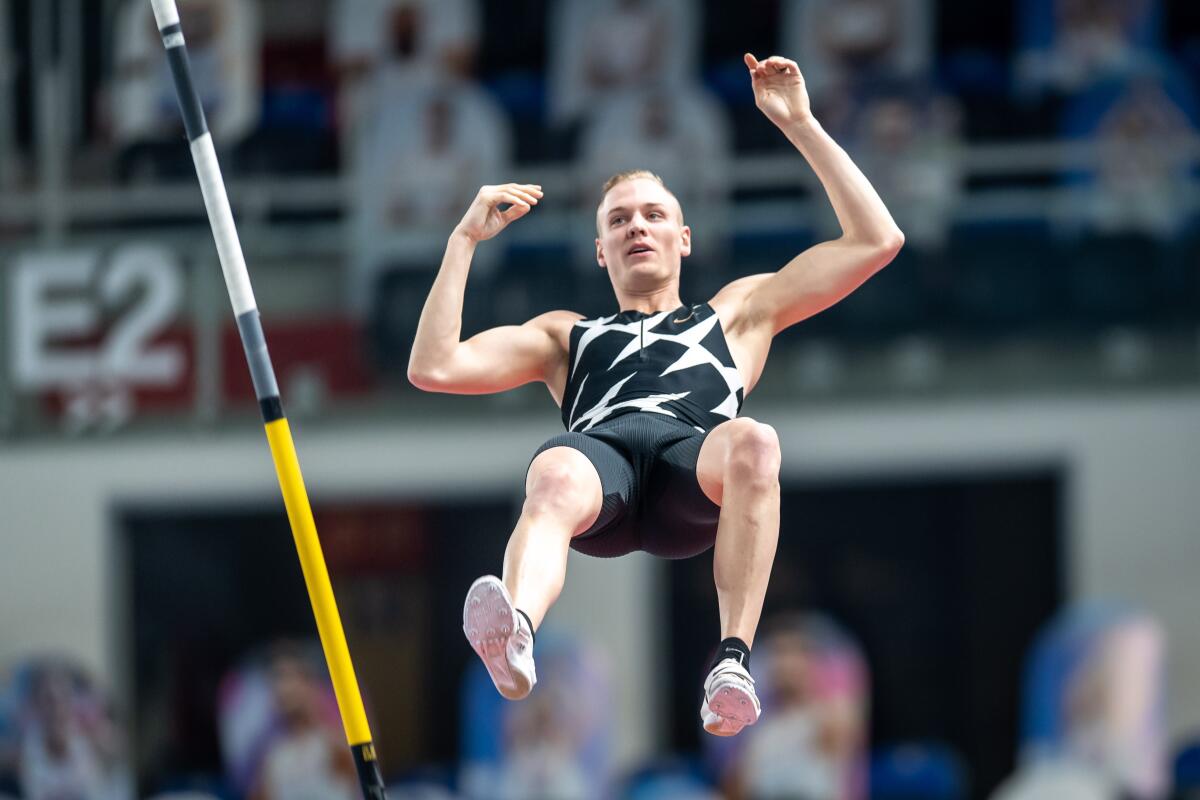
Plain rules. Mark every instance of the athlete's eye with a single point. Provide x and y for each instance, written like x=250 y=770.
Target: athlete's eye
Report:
x=616 y=220
x=655 y=215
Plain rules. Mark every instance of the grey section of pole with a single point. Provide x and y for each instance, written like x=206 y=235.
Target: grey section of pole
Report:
x=261 y=372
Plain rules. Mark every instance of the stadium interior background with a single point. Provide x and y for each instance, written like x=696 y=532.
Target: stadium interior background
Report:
x=990 y=523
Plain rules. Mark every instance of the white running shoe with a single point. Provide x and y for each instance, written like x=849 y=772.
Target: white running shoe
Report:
x=730 y=703
x=500 y=636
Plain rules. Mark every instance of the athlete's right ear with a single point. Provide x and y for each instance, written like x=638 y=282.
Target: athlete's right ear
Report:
x=600 y=255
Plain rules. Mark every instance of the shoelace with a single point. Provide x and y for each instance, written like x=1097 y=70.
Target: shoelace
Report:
x=730 y=666
x=521 y=639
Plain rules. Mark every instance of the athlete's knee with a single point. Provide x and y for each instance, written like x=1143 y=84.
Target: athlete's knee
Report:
x=754 y=454
x=561 y=481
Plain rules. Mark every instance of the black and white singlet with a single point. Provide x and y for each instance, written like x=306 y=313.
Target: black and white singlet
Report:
x=676 y=369
x=674 y=363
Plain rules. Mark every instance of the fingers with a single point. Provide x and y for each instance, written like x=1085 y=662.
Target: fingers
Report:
x=514 y=212
x=521 y=193
x=516 y=199
x=531 y=192
x=775 y=65
x=530 y=196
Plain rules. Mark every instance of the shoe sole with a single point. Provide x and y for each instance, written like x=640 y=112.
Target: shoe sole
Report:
x=733 y=704
x=489 y=619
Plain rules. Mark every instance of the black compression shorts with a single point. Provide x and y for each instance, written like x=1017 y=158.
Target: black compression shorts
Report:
x=652 y=499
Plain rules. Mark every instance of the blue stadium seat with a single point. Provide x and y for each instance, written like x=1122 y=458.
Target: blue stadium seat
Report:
x=917 y=771
x=666 y=779
x=522 y=93
x=1187 y=769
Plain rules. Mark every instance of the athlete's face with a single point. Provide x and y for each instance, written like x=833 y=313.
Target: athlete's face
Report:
x=642 y=237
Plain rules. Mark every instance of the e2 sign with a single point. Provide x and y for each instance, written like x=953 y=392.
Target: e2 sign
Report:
x=84 y=316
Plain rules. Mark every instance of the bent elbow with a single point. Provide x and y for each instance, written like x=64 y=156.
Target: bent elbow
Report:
x=889 y=245
x=424 y=380
x=893 y=242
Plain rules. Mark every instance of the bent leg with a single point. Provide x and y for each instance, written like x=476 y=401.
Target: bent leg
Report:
x=563 y=497
x=738 y=469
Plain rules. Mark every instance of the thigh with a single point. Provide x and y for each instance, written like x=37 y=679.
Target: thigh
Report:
x=612 y=534
x=564 y=482
x=681 y=518
x=710 y=463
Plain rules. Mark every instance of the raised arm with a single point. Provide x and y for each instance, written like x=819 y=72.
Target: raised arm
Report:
x=827 y=272
x=496 y=359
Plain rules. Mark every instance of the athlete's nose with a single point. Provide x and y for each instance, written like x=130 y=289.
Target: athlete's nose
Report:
x=636 y=227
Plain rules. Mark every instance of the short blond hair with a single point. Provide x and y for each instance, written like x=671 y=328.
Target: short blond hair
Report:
x=632 y=175
x=629 y=175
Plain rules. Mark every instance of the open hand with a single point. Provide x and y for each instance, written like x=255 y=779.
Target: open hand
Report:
x=484 y=219
x=779 y=90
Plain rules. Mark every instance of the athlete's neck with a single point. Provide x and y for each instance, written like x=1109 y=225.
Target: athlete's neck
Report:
x=653 y=302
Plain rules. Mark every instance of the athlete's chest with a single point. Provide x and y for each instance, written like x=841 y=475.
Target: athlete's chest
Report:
x=662 y=345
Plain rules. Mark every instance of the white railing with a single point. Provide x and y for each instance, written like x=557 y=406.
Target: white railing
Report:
x=52 y=212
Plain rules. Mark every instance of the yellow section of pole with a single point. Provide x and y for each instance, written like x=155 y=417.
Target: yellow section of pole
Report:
x=316 y=578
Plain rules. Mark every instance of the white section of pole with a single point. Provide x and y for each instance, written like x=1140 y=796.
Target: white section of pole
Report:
x=165 y=13
x=220 y=217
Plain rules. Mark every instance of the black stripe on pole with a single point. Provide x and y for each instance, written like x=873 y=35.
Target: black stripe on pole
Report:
x=368 y=771
x=189 y=100
x=271 y=408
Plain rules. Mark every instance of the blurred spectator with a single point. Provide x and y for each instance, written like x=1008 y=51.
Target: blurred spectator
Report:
x=1093 y=722
x=280 y=729
x=812 y=738
x=61 y=735
x=1143 y=180
x=602 y=47
x=407 y=44
x=543 y=741
x=1067 y=45
x=907 y=140
x=909 y=144
x=680 y=134
x=142 y=110
x=423 y=160
x=844 y=45
x=553 y=745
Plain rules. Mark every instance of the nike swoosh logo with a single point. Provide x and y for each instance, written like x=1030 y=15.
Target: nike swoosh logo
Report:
x=685 y=319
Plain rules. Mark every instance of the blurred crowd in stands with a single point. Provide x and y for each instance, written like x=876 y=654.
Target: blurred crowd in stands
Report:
x=416 y=103
x=1040 y=155
x=1092 y=728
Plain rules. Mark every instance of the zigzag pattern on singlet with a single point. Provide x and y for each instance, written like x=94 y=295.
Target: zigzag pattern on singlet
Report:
x=675 y=363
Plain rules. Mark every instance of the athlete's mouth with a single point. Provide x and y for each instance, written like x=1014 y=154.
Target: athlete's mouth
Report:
x=640 y=248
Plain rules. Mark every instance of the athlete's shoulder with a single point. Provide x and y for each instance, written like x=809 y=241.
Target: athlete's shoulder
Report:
x=736 y=290
x=730 y=302
x=557 y=319
x=557 y=324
